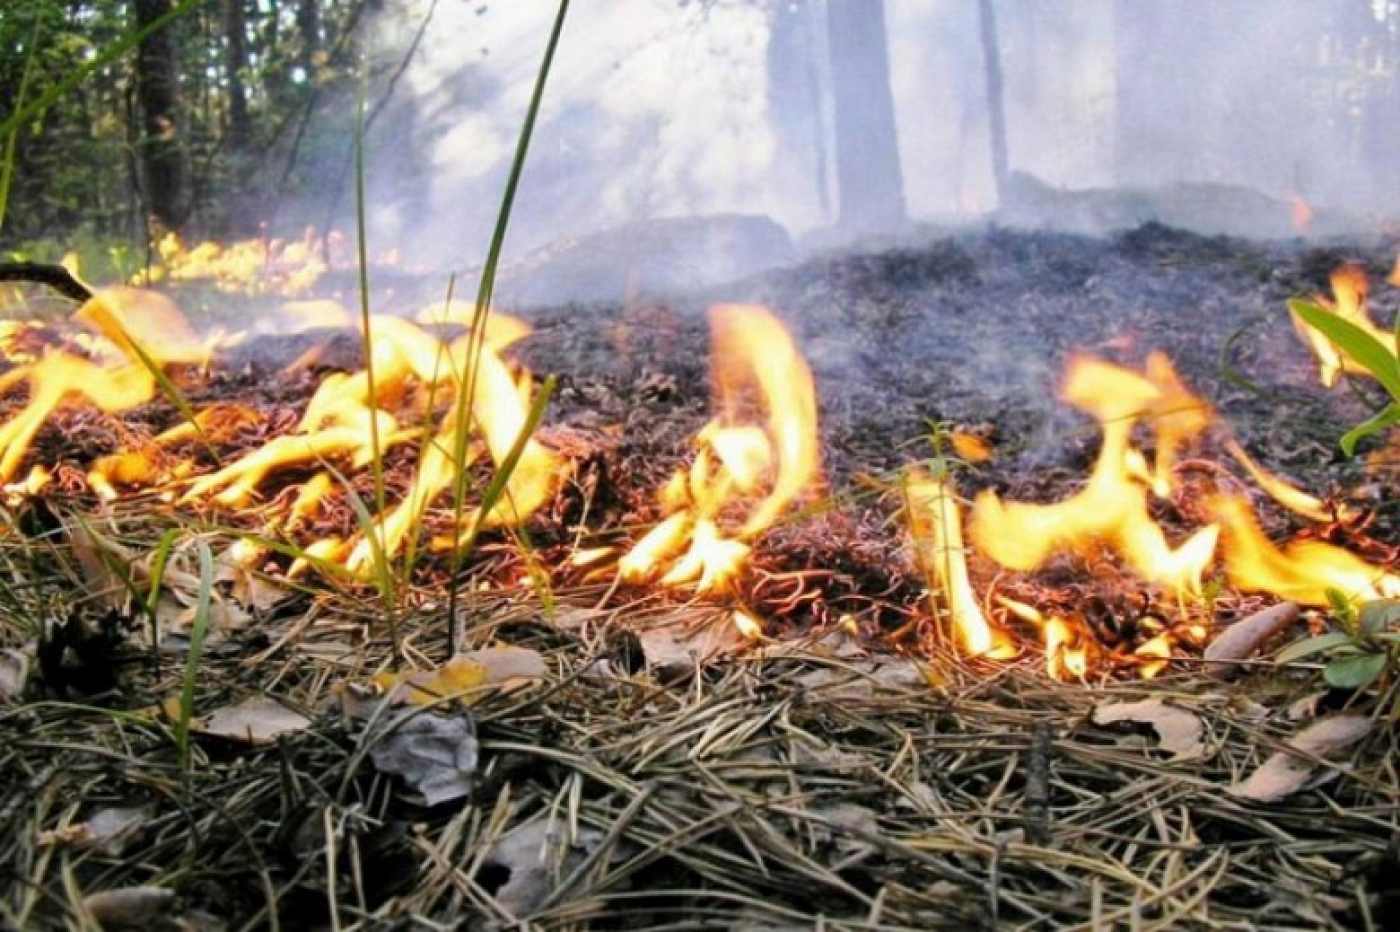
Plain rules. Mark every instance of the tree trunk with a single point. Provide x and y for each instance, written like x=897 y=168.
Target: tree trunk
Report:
x=163 y=163
x=309 y=34
x=236 y=62
x=996 y=96
x=795 y=101
x=870 y=186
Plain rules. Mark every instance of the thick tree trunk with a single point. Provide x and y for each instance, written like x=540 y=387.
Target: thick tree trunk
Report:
x=996 y=96
x=870 y=185
x=163 y=162
x=794 y=99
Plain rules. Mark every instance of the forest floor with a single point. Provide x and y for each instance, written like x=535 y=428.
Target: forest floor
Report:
x=654 y=770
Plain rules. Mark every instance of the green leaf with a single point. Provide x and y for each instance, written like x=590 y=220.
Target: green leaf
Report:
x=1355 y=672
x=1380 y=614
x=1375 y=356
x=1384 y=418
x=1307 y=647
x=1343 y=608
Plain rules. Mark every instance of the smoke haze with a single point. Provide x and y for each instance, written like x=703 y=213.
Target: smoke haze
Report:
x=663 y=108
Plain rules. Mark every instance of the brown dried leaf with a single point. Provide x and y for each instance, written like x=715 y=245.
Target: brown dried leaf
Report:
x=1242 y=639
x=1178 y=731
x=129 y=907
x=1287 y=771
x=256 y=720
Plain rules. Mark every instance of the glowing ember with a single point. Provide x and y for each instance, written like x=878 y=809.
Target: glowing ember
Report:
x=759 y=377
x=937 y=531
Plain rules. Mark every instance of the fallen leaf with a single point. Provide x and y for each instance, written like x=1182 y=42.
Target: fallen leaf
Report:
x=674 y=652
x=256 y=720
x=508 y=665
x=97 y=558
x=435 y=754
x=14 y=674
x=534 y=857
x=107 y=830
x=464 y=676
x=1287 y=771
x=456 y=677
x=1179 y=732
x=129 y=907
x=1243 y=638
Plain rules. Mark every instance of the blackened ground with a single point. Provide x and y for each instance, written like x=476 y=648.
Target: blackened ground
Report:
x=978 y=328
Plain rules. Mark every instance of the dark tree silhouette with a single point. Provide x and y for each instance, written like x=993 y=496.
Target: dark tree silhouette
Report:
x=165 y=171
x=869 y=182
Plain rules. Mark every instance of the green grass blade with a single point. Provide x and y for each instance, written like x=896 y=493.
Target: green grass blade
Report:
x=1383 y=419
x=99 y=61
x=362 y=259
x=1371 y=353
x=204 y=601
x=485 y=290
x=7 y=167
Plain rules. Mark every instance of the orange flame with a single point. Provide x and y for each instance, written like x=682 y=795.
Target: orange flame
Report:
x=1111 y=509
x=936 y=527
x=758 y=371
x=1303 y=571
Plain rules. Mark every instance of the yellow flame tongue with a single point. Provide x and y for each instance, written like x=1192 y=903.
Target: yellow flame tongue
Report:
x=937 y=531
x=1111 y=510
x=1303 y=571
x=765 y=435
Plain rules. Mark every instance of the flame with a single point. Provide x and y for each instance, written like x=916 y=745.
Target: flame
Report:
x=1301 y=213
x=765 y=435
x=936 y=526
x=255 y=266
x=137 y=332
x=1111 y=510
x=1349 y=290
x=1303 y=571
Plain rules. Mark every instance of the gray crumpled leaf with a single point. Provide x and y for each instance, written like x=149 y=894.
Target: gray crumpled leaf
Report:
x=537 y=856
x=1289 y=770
x=435 y=754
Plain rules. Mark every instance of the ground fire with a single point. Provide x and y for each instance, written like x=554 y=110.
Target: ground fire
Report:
x=455 y=400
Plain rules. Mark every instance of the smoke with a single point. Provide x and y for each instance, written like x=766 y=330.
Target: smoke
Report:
x=1207 y=115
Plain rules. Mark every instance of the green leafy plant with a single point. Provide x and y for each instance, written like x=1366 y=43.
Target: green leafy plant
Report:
x=1363 y=648
x=1373 y=355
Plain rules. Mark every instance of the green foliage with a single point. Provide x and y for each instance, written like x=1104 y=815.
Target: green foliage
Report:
x=1363 y=648
x=1367 y=351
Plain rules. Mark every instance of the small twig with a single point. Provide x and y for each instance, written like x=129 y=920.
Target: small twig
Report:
x=51 y=276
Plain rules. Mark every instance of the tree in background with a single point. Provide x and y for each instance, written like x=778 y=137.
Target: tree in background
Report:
x=870 y=185
x=162 y=147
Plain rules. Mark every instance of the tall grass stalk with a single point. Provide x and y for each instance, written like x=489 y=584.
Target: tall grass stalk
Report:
x=477 y=340
x=203 y=605
x=7 y=166
x=383 y=573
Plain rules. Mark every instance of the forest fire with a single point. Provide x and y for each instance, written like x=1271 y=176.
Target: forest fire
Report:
x=765 y=432
x=457 y=402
